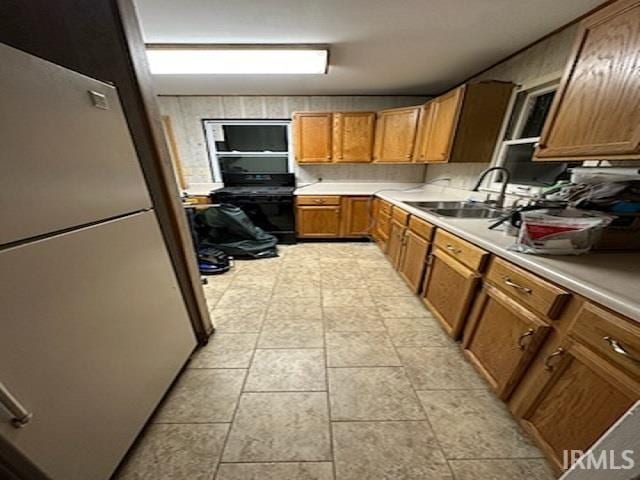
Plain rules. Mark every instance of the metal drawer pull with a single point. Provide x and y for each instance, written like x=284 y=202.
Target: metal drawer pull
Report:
x=521 y=338
x=453 y=249
x=547 y=362
x=617 y=347
x=21 y=416
x=513 y=284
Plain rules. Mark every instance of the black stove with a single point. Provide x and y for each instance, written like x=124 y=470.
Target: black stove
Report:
x=266 y=198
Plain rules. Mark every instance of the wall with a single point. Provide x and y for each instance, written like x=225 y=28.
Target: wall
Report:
x=542 y=60
x=187 y=112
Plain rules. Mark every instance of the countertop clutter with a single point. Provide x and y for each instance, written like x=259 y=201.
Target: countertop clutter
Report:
x=608 y=278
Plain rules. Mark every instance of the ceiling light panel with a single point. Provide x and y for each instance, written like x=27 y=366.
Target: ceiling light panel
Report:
x=187 y=60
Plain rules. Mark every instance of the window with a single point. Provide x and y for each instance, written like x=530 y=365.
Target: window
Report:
x=522 y=132
x=248 y=146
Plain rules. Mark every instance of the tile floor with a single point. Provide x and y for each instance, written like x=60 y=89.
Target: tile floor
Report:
x=325 y=366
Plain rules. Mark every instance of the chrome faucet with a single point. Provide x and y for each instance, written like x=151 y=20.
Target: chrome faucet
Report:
x=506 y=176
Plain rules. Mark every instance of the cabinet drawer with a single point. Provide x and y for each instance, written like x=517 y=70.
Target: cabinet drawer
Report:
x=385 y=207
x=540 y=295
x=467 y=253
x=319 y=200
x=400 y=216
x=612 y=336
x=420 y=227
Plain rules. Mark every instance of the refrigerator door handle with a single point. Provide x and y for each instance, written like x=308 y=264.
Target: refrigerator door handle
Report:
x=21 y=416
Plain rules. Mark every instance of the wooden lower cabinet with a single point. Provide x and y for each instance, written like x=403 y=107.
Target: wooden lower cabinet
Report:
x=575 y=401
x=381 y=230
x=413 y=259
x=501 y=339
x=356 y=219
x=449 y=290
x=318 y=221
x=395 y=243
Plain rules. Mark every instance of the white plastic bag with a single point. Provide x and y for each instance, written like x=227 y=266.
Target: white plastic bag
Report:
x=559 y=231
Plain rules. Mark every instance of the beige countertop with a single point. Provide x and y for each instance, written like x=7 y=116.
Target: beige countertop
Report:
x=350 y=188
x=609 y=278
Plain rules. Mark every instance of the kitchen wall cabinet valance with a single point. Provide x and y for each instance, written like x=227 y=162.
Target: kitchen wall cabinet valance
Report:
x=462 y=125
x=596 y=111
x=333 y=137
x=396 y=130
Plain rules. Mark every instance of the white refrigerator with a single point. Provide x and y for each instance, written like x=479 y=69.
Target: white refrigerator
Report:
x=93 y=328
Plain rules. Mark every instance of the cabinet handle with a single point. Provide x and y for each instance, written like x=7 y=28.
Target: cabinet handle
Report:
x=521 y=345
x=547 y=362
x=513 y=284
x=453 y=249
x=317 y=200
x=21 y=416
x=617 y=347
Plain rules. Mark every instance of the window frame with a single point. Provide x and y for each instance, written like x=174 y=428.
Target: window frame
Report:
x=213 y=153
x=533 y=90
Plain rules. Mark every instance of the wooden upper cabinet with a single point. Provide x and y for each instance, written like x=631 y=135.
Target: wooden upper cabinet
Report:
x=596 y=111
x=501 y=339
x=424 y=128
x=442 y=124
x=353 y=136
x=313 y=137
x=577 y=398
x=356 y=217
x=396 y=134
x=462 y=125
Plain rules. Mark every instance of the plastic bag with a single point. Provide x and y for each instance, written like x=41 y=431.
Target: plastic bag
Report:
x=559 y=231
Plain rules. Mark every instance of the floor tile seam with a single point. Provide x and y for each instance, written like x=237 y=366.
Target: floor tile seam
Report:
x=244 y=382
x=420 y=405
x=240 y=462
x=326 y=379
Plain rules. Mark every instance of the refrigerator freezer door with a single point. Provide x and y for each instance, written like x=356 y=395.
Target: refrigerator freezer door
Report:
x=66 y=153
x=93 y=332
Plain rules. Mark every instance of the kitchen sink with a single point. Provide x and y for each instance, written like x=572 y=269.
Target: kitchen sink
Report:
x=447 y=205
x=481 y=212
x=458 y=209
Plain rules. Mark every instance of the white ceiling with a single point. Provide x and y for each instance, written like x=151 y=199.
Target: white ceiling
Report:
x=386 y=47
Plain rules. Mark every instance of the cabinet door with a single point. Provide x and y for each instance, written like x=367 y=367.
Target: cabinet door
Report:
x=449 y=290
x=596 y=111
x=312 y=137
x=414 y=260
x=318 y=221
x=442 y=126
x=395 y=134
x=501 y=339
x=353 y=137
x=424 y=129
x=382 y=230
x=579 y=398
x=395 y=243
x=356 y=219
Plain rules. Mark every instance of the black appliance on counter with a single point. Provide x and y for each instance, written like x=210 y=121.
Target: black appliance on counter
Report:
x=266 y=198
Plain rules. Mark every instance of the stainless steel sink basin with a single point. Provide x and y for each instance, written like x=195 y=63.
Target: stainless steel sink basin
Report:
x=439 y=205
x=467 y=212
x=458 y=209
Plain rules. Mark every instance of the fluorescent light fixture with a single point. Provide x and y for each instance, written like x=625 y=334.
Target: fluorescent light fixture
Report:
x=185 y=59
